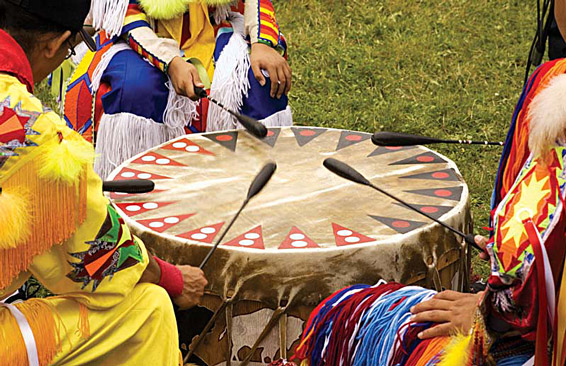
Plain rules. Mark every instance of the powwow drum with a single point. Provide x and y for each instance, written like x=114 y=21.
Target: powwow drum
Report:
x=306 y=235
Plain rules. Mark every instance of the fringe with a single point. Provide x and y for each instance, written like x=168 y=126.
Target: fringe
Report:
x=51 y=194
x=103 y=64
x=282 y=118
x=109 y=15
x=123 y=135
x=84 y=325
x=45 y=324
x=180 y=110
x=230 y=82
x=14 y=214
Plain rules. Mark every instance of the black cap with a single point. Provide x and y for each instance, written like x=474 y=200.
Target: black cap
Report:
x=69 y=14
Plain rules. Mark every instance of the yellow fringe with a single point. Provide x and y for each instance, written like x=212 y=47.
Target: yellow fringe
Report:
x=45 y=324
x=15 y=217
x=457 y=353
x=57 y=206
x=84 y=324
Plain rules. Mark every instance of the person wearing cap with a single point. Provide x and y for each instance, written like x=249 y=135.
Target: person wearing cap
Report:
x=112 y=303
x=151 y=55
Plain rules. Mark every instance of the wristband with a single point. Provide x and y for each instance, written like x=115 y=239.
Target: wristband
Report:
x=171 y=278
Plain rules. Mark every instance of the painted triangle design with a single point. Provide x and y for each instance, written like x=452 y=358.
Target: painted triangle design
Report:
x=226 y=139
x=400 y=225
x=451 y=193
x=345 y=236
x=272 y=136
x=152 y=158
x=205 y=234
x=448 y=175
x=431 y=210
x=382 y=150
x=349 y=138
x=137 y=208
x=424 y=158
x=188 y=146
x=252 y=239
x=119 y=196
x=129 y=173
x=306 y=135
x=164 y=223
x=296 y=239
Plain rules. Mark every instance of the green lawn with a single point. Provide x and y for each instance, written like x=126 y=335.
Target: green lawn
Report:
x=449 y=68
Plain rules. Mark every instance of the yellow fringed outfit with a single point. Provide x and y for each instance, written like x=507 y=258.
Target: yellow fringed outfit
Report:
x=56 y=225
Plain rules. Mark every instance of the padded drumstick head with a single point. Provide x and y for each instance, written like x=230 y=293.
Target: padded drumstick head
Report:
x=200 y=92
x=133 y=186
x=262 y=179
x=385 y=138
x=252 y=125
x=345 y=171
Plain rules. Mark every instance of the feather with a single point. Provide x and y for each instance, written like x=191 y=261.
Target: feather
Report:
x=65 y=160
x=457 y=353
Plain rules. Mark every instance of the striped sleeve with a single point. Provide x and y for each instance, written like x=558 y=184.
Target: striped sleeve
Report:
x=142 y=39
x=261 y=24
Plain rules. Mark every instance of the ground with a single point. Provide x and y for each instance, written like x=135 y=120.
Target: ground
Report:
x=449 y=68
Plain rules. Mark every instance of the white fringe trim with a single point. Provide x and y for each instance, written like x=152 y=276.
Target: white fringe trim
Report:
x=230 y=82
x=109 y=15
x=104 y=62
x=282 y=118
x=180 y=110
x=547 y=115
x=123 y=135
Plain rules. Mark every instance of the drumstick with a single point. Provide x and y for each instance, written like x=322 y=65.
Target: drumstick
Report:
x=129 y=186
x=349 y=173
x=250 y=124
x=257 y=185
x=385 y=138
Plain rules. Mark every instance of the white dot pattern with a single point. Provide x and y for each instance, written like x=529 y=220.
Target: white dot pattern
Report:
x=352 y=239
x=299 y=244
x=247 y=243
x=193 y=148
x=199 y=236
x=252 y=236
x=144 y=176
x=344 y=233
x=208 y=230
x=163 y=161
x=148 y=158
x=150 y=206
x=179 y=145
x=172 y=220
x=128 y=175
x=156 y=225
x=133 y=208
x=297 y=236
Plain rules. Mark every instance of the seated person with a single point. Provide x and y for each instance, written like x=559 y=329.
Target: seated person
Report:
x=141 y=78
x=57 y=226
x=521 y=316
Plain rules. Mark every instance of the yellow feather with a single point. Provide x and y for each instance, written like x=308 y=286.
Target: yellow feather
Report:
x=457 y=352
x=169 y=9
x=65 y=161
x=15 y=218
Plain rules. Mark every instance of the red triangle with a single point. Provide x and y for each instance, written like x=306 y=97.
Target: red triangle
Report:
x=205 y=234
x=165 y=223
x=152 y=158
x=187 y=145
x=296 y=239
x=253 y=239
x=128 y=173
x=137 y=208
x=345 y=236
x=119 y=196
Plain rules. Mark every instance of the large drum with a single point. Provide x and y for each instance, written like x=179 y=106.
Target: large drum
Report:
x=306 y=235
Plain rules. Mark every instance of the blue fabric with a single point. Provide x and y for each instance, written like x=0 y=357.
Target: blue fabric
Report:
x=514 y=360
x=258 y=103
x=137 y=87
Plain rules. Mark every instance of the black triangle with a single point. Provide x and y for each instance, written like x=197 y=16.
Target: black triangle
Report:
x=425 y=158
x=349 y=138
x=447 y=175
x=400 y=225
x=226 y=139
x=431 y=210
x=272 y=136
x=389 y=149
x=450 y=193
x=306 y=135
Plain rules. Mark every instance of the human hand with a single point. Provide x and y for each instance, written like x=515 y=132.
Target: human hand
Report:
x=481 y=241
x=452 y=311
x=184 y=77
x=194 y=283
x=266 y=58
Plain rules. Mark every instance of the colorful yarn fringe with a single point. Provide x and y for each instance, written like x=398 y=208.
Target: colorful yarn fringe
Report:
x=363 y=325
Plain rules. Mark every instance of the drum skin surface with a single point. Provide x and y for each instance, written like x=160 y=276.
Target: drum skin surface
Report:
x=310 y=232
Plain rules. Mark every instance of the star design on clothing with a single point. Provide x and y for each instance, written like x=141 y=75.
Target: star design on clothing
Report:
x=114 y=250
x=15 y=127
x=530 y=202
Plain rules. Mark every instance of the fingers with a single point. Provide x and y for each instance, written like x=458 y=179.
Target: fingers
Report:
x=481 y=241
x=448 y=295
x=431 y=316
x=441 y=330
x=289 y=77
x=431 y=305
x=275 y=83
x=256 y=68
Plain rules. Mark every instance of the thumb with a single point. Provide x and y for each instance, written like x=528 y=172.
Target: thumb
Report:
x=481 y=241
x=196 y=78
x=258 y=74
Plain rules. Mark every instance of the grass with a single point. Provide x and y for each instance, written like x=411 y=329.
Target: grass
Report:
x=448 y=68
